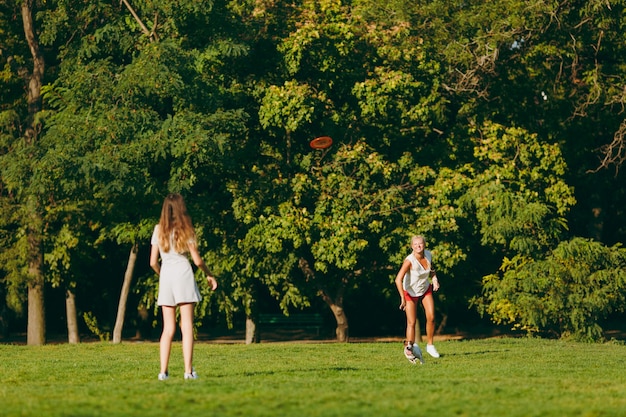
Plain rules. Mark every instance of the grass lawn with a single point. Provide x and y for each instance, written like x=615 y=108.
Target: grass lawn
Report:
x=492 y=377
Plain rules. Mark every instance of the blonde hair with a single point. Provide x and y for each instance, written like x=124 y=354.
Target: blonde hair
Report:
x=418 y=237
x=175 y=225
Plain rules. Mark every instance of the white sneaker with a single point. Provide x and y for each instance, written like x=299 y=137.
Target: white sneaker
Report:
x=163 y=376
x=192 y=375
x=432 y=351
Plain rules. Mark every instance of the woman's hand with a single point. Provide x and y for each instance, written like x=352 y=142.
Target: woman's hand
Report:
x=402 y=304
x=435 y=283
x=212 y=282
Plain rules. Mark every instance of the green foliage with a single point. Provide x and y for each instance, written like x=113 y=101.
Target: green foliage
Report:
x=358 y=198
x=126 y=120
x=289 y=107
x=567 y=291
x=331 y=222
x=518 y=192
x=327 y=221
x=400 y=95
x=92 y=324
x=59 y=257
x=449 y=119
x=15 y=246
x=436 y=214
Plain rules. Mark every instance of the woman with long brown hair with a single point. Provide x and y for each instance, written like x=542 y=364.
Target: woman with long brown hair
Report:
x=173 y=240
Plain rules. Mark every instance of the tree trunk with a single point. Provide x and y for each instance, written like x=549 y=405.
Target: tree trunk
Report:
x=342 y=323
x=252 y=335
x=121 y=307
x=143 y=328
x=442 y=324
x=335 y=304
x=250 y=308
x=35 y=79
x=36 y=328
x=36 y=332
x=72 y=318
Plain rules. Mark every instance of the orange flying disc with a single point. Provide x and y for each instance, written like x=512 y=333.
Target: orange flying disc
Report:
x=322 y=142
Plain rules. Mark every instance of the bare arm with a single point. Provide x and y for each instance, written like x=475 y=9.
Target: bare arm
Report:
x=197 y=259
x=406 y=266
x=154 y=259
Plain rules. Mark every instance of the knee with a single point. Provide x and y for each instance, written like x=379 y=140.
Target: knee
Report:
x=168 y=332
x=186 y=329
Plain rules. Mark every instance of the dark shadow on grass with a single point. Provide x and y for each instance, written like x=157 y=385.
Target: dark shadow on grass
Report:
x=300 y=370
x=482 y=352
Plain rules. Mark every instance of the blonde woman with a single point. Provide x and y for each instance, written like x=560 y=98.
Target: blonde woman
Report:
x=173 y=240
x=414 y=285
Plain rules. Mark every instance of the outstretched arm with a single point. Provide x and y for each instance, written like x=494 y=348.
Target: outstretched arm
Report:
x=197 y=259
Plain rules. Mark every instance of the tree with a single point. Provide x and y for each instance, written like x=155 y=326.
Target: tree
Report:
x=452 y=120
x=338 y=215
x=146 y=128
x=518 y=192
x=332 y=228
x=125 y=122
x=566 y=291
x=548 y=70
x=132 y=234
x=20 y=148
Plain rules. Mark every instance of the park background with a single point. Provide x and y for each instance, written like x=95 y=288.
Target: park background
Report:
x=495 y=129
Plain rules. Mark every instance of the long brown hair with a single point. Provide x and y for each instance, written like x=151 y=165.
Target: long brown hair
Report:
x=175 y=225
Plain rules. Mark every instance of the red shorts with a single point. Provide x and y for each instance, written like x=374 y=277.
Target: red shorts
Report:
x=421 y=297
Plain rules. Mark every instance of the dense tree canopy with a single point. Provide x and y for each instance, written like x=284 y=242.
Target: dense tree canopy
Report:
x=497 y=135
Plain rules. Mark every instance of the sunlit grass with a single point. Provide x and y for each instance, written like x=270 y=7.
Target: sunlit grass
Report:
x=495 y=377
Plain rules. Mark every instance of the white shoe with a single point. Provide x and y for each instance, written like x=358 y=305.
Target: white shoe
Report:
x=432 y=351
x=192 y=375
x=163 y=376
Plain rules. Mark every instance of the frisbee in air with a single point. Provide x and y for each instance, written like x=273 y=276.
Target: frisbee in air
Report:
x=321 y=142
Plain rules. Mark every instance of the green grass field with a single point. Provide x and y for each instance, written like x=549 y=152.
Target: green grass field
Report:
x=492 y=377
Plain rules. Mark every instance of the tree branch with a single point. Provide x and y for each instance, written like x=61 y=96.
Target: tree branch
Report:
x=150 y=34
x=614 y=153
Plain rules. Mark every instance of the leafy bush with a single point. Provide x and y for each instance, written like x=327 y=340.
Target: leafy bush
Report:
x=568 y=292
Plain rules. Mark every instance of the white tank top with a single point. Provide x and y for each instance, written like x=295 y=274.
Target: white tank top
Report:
x=416 y=281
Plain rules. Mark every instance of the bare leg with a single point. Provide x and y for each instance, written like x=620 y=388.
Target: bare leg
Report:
x=186 y=327
x=169 y=328
x=429 y=308
x=411 y=316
